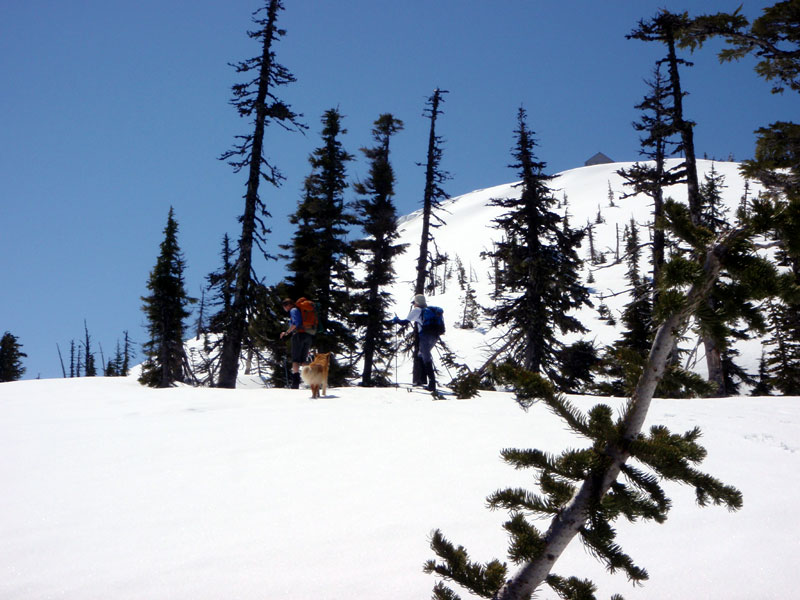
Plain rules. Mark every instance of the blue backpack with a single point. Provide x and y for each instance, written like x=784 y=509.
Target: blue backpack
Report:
x=433 y=320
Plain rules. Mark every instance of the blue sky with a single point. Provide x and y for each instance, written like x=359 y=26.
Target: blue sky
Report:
x=114 y=111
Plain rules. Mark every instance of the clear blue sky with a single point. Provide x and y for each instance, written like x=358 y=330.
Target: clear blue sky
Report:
x=114 y=111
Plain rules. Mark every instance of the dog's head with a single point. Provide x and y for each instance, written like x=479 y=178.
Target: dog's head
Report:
x=323 y=358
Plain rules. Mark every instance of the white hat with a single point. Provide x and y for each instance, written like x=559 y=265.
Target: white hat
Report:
x=419 y=300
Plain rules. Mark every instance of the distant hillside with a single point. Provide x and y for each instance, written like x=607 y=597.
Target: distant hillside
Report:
x=586 y=193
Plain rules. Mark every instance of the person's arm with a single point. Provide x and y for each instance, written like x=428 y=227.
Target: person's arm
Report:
x=295 y=320
x=413 y=317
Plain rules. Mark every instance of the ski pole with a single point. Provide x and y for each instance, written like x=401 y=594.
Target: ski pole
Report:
x=441 y=358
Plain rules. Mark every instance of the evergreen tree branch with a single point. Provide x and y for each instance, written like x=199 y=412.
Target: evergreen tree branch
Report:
x=483 y=580
x=579 y=511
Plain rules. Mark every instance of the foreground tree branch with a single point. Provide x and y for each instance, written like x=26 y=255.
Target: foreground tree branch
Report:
x=580 y=491
x=573 y=518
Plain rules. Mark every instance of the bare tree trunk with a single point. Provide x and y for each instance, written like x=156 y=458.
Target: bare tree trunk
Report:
x=427 y=201
x=63 y=370
x=248 y=365
x=686 y=128
x=235 y=331
x=427 y=208
x=714 y=364
x=568 y=523
x=687 y=134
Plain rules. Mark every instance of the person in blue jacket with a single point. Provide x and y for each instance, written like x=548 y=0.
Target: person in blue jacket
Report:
x=427 y=340
x=301 y=340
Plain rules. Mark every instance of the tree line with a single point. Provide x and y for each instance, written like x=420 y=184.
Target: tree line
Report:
x=82 y=360
x=239 y=314
x=348 y=280
x=536 y=268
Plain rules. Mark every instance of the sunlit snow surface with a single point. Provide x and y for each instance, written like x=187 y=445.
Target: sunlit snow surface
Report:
x=109 y=490
x=112 y=490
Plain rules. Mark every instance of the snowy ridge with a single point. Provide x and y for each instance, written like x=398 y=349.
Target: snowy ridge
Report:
x=468 y=232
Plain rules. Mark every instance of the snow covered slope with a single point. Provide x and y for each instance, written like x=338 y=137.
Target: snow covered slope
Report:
x=113 y=490
x=469 y=231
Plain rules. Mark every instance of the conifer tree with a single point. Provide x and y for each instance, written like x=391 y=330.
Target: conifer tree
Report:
x=783 y=355
x=113 y=367
x=268 y=322
x=434 y=194
x=220 y=284
x=762 y=386
x=127 y=355
x=650 y=178
x=590 y=236
x=431 y=201
x=256 y=98
x=90 y=369
x=320 y=257
x=726 y=305
x=166 y=309
x=200 y=324
x=624 y=359
x=774 y=39
x=540 y=283
x=11 y=355
x=668 y=28
x=377 y=251
x=219 y=292
x=119 y=363
x=471 y=310
x=470 y=314
x=73 y=368
x=299 y=278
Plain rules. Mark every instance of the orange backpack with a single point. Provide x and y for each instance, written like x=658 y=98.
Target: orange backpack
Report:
x=309 y=315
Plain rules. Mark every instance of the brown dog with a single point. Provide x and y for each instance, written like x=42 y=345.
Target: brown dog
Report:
x=316 y=374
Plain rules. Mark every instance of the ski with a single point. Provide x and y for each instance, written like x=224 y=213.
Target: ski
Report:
x=439 y=394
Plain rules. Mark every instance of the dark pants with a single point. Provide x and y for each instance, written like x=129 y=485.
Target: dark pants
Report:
x=301 y=346
x=426 y=343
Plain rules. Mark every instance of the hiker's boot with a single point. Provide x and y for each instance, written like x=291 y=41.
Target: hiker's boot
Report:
x=419 y=376
x=295 y=381
x=431 y=373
